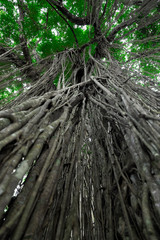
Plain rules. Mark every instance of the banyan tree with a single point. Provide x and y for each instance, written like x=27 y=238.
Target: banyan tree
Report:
x=79 y=120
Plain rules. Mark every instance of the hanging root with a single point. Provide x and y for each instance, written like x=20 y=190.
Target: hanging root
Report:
x=82 y=162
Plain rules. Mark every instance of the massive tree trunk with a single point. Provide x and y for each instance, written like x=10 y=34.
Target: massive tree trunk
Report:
x=81 y=161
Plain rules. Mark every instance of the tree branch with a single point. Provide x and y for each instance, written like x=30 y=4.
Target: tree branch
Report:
x=122 y=25
x=25 y=49
x=13 y=58
x=67 y=24
x=66 y=13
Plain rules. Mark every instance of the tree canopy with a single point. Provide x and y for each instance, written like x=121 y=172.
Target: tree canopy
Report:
x=79 y=119
x=33 y=32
